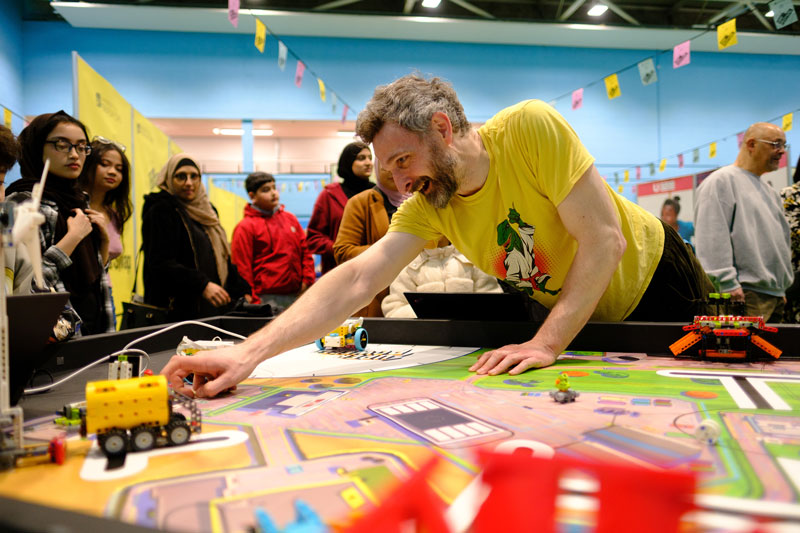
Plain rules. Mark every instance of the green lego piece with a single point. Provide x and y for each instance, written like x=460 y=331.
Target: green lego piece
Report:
x=726 y=296
x=713 y=295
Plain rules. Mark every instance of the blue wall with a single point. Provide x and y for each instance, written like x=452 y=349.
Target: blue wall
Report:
x=11 y=66
x=197 y=75
x=11 y=55
x=298 y=202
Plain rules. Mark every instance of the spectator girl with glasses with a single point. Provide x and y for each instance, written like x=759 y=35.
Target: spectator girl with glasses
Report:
x=74 y=239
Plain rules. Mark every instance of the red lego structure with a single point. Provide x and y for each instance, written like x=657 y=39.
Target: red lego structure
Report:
x=725 y=336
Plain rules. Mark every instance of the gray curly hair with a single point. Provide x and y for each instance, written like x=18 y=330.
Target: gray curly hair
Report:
x=411 y=101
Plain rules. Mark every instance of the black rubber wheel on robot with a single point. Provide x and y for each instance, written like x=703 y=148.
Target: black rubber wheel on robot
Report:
x=114 y=442
x=177 y=416
x=142 y=439
x=178 y=433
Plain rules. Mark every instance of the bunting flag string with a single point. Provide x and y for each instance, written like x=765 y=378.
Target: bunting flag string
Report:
x=262 y=30
x=646 y=67
x=784 y=120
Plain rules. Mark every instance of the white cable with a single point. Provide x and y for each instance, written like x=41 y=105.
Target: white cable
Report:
x=128 y=349
x=45 y=388
x=59 y=382
x=173 y=326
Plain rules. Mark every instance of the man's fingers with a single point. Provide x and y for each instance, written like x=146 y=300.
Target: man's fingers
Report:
x=493 y=361
x=483 y=357
x=525 y=365
x=212 y=387
x=503 y=365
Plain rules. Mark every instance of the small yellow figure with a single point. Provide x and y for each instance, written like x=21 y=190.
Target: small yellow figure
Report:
x=564 y=394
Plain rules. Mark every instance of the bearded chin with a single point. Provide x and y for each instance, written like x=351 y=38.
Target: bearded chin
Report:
x=444 y=183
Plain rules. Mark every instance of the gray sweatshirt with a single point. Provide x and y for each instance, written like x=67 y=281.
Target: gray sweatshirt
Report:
x=741 y=235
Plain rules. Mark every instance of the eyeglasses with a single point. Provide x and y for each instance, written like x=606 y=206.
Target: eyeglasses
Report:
x=63 y=145
x=103 y=140
x=776 y=145
x=183 y=176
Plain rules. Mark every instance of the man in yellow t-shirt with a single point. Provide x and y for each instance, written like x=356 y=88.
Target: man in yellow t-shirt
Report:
x=521 y=199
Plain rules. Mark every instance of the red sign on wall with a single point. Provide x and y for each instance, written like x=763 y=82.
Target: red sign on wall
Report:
x=681 y=183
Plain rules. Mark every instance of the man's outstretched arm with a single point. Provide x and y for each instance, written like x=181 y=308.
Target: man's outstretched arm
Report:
x=589 y=215
x=316 y=313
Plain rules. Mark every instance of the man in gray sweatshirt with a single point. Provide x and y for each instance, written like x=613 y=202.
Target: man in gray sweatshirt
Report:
x=741 y=234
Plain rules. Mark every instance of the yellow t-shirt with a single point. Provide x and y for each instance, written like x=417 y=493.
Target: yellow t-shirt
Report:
x=511 y=229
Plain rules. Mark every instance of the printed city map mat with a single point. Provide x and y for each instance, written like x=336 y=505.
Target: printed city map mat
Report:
x=340 y=443
x=308 y=360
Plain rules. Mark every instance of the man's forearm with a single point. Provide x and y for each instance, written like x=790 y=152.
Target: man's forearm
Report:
x=587 y=280
x=317 y=312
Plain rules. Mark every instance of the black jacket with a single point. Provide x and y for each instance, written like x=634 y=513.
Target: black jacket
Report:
x=179 y=261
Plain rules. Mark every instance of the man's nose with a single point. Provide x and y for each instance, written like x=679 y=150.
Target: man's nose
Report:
x=402 y=182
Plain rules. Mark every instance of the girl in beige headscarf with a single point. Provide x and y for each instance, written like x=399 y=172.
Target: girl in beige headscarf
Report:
x=187 y=255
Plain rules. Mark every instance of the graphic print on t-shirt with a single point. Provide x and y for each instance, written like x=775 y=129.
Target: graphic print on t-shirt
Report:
x=520 y=261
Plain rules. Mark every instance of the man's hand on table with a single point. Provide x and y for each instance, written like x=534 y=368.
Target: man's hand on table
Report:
x=215 y=371
x=514 y=358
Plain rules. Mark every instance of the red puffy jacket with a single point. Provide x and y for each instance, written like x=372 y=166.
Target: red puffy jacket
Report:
x=270 y=252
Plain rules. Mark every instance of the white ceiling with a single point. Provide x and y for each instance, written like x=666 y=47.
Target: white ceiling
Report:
x=282 y=23
x=85 y=15
x=189 y=127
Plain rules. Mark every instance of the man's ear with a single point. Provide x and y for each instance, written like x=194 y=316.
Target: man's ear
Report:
x=251 y=194
x=441 y=125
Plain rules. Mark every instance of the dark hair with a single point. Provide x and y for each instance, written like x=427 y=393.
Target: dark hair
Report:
x=255 y=180
x=674 y=203
x=796 y=176
x=9 y=149
x=32 y=139
x=118 y=201
x=348 y=157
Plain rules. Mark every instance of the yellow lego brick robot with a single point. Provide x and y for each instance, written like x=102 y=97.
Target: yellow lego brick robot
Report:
x=137 y=414
x=350 y=335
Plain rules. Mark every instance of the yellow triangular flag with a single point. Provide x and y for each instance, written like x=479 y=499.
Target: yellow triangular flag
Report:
x=621 y=188
x=663 y=165
x=627 y=177
x=321 y=89
x=712 y=150
x=726 y=34
x=7 y=117
x=261 y=35
x=299 y=186
x=787 y=122
x=322 y=183
x=612 y=86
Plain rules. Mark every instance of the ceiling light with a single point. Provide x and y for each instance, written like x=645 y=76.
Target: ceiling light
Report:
x=349 y=134
x=240 y=132
x=770 y=13
x=597 y=10
x=431 y=3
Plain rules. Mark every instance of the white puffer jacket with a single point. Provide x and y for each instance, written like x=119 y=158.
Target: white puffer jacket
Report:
x=435 y=270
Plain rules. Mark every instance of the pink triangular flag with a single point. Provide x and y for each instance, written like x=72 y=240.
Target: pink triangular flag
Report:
x=344 y=113
x=680 y=160
x=298 y=74
x=682 y=54
x=577 y=98
x=233 y=12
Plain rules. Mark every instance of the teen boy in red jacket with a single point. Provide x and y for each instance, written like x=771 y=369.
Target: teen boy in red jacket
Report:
x=269 y=247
